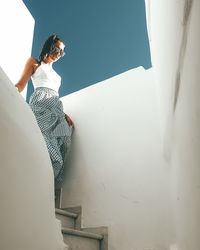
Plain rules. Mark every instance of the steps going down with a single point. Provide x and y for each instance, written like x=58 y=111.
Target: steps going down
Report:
x=78 y=238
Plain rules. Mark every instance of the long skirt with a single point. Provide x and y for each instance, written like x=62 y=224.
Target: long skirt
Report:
x=48 y=110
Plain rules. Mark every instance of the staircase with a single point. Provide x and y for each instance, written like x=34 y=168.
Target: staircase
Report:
x=76 y=237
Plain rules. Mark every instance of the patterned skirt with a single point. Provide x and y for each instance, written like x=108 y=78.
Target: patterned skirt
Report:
x=48 y=110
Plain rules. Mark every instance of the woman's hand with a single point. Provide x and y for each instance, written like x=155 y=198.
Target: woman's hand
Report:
x=69 y=121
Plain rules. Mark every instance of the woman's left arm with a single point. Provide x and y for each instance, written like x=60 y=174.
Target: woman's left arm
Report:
x=69 y=121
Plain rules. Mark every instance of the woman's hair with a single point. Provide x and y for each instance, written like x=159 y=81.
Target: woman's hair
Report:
x=49 y=46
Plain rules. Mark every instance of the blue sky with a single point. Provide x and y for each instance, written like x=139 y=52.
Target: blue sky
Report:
x=103 y=38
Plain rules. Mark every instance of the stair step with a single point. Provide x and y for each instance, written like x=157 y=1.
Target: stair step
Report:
x=81 y=240
x=67 y=218
x=82 y=233
x=66 y=213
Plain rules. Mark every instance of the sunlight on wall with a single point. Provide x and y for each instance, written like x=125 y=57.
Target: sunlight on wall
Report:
x=17 y=26
x=116 y=160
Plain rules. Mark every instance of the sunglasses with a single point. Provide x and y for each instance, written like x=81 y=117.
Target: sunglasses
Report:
x=57 y=50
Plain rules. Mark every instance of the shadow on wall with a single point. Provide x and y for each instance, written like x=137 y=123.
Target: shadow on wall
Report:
x=175 y=49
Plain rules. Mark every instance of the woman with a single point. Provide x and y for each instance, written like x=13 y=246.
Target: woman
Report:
x=55 y=126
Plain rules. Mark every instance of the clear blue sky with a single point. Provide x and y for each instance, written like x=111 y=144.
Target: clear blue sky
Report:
x=103 y=38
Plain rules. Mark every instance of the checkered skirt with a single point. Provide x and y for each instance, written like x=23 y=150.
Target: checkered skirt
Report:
x=48 y=110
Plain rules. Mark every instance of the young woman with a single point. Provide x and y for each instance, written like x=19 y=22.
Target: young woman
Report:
x=55 y=126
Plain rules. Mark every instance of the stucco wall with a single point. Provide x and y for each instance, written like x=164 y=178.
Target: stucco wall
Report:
x=116 y=171
x=27 y=218
x=27 y=213
x=175 y=39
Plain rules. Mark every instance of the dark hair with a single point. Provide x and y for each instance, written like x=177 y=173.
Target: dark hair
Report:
x=48 y=46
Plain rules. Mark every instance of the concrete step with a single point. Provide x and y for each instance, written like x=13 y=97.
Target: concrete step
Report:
x=68 y=219
x=81 y=240
x=78 y=238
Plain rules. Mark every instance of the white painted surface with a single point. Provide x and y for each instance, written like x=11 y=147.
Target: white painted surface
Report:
x=165 y=29
x=181 y=128
x=17 y=26
x=116 y=170
x=27 y=218
x=27 y=213
x=186 y=157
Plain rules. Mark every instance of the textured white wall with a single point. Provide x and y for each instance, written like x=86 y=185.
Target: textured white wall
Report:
x=116 y=170
x=165 y=20
x=175 y=39
x=27 y=218
x=186 y=157
x=16 y=25
x=27 y=213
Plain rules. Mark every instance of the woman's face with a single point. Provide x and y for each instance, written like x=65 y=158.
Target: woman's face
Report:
x=57 y=52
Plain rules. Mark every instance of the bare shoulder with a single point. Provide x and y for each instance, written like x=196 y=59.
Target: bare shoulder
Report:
x=32 y=63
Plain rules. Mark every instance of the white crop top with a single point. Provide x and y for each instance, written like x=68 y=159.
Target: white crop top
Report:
x=46 y=76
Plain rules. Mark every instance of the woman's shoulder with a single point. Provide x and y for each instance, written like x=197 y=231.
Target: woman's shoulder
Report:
x=32 y=63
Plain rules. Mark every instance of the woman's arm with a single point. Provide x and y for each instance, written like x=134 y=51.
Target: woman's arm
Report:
x=69 y=121
x=29 y=69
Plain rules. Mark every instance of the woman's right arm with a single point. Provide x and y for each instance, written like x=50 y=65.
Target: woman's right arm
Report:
x=26 y=74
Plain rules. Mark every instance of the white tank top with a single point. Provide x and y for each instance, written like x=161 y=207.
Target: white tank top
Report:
x=45 y=76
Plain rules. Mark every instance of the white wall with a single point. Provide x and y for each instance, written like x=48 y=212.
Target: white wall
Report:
x=16 y=25
x=27 y=213
x=172 y=25
x=27 y=218
x=165 y=20
x=186 y=157
x=116 y=171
